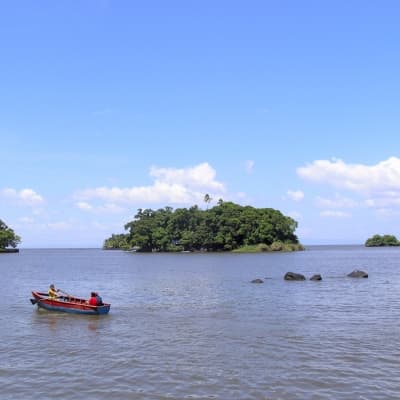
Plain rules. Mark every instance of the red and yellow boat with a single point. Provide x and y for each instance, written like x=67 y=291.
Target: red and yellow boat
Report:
x=69 y=304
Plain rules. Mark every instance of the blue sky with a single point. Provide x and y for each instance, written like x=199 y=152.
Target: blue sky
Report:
x=111 y=106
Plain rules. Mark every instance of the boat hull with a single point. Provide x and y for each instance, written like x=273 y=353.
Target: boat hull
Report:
x=72 y=305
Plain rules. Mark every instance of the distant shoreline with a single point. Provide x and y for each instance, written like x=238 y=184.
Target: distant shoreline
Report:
x=5 y=251
x=307 y=246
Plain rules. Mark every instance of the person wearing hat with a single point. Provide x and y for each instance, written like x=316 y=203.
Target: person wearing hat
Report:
x=53 y=292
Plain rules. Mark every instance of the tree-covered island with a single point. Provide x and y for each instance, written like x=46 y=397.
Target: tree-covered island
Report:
x=384 y=240
x=8 y=239
x=224 y=227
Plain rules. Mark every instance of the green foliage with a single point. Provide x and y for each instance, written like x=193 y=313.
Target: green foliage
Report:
x=7 y=237
x=254 y=248
x=385 y=240
x=225 y=227
x=275 y=246
x=116 y=242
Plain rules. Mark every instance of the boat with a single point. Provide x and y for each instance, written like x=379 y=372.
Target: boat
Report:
x=69 y=304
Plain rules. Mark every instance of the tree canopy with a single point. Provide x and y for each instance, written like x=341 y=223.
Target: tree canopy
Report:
x=225 y=227
x=116 y=241
x=7 y=237
x=385 y=240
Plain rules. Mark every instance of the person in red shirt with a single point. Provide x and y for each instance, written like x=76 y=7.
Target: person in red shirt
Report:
x=93 y=300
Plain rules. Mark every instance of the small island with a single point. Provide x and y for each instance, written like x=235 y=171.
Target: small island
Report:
x=384 y=240
x=224 y=227
x=8 y=239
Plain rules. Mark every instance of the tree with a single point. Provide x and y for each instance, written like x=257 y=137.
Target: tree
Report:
x=225 y=227
x=385 y=240
x=7 y=237
x=142 y=229
x=119 y=241
x=207 y=199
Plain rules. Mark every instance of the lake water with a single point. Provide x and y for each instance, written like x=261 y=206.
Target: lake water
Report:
x=192 y=326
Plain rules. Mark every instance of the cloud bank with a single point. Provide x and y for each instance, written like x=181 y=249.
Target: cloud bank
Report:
x=25 y=196
x=383 y=177
x=377 y=186
x=171 y=186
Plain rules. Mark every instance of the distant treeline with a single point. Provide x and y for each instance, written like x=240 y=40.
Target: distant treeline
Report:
x=225 y=227
x=384 y=240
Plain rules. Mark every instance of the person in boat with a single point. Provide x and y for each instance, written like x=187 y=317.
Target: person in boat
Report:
x=99 y=300
x=93 y=300
x=53 y=292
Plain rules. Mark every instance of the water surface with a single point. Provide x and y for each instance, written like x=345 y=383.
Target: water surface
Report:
x=191 y=326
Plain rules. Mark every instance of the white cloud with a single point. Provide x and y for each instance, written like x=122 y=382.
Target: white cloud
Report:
x=83 y=205
x=382 y=202
x=200 y=176
x=335 y=214
x=365 y=179
x=171 y=185
x=25 y=196
x=295 y=195
x=249 y=166
x=378 y=184
x=337 y=202
x=106 y=208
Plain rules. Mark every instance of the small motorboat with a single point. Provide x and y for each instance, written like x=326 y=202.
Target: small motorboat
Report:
x=69 y=304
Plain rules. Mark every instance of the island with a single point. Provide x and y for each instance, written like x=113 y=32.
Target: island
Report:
x=8 y=239
x=384 y=240
x=224 y=227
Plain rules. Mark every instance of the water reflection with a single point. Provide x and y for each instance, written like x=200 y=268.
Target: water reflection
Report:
x=58 y=322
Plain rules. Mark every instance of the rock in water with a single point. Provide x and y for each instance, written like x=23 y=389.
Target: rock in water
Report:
x=258 y=280
x=316 y=277
x=358 y=274
x=292 y=276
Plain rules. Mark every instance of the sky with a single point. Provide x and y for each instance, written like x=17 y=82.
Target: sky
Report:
x=111 y=106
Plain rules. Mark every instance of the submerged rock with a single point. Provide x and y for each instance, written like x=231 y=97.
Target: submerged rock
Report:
x=258 y=280
x=316 y=277
x=358 y=274
x=292 y=276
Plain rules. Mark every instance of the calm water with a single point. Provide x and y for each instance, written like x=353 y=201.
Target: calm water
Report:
x=191 y=326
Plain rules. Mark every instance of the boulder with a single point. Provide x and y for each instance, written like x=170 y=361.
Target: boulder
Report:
x=292 y=276
x=358 y=274
x=258 y=280
x=316 y=277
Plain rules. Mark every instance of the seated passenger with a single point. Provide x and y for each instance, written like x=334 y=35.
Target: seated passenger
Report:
x=99 y=300
x=93 y=299
x=53 y=292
